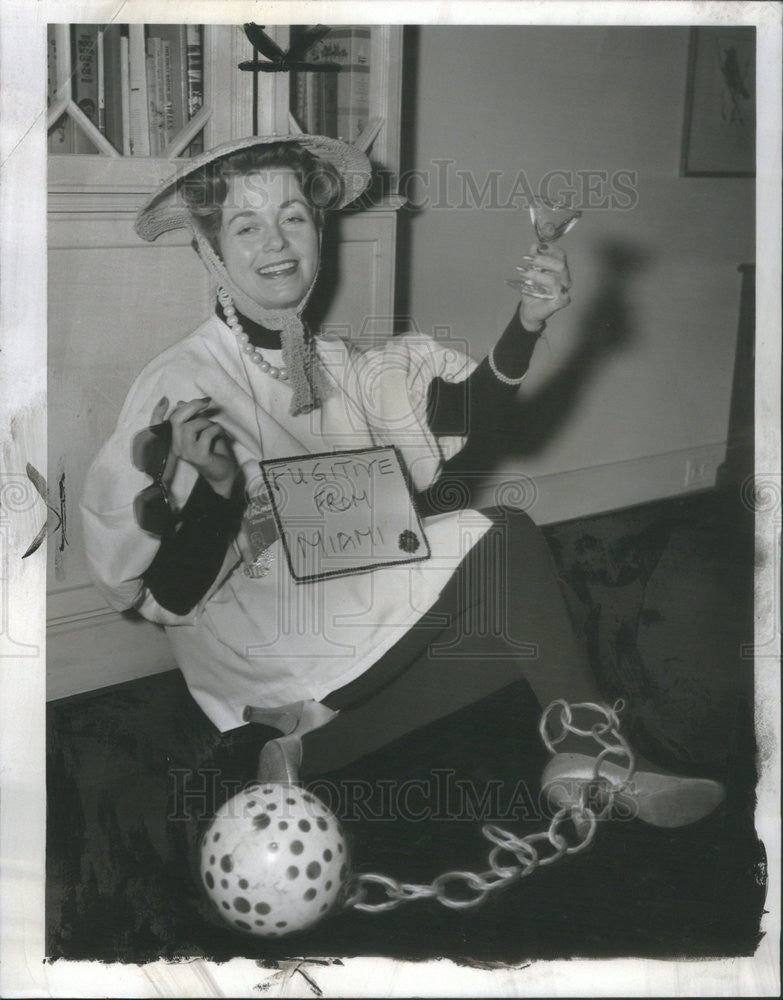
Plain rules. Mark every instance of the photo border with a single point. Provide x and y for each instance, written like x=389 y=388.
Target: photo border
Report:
x=24 y=971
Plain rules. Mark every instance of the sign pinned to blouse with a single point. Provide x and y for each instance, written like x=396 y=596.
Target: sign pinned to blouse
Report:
x=344 y=512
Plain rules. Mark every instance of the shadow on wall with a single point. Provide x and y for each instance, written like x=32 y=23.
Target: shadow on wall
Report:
x=527 y=426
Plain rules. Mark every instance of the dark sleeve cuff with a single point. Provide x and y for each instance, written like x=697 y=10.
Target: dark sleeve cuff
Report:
x=192 y=552
x=512 y=353
x=455 y=407
x=203 y=502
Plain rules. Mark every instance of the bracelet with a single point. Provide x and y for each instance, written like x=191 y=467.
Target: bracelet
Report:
x=499 y=375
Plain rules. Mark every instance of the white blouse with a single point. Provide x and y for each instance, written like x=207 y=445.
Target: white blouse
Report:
x=267 y=641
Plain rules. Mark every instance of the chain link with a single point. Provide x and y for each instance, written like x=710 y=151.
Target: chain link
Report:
x=460 y=890
x=603 y=788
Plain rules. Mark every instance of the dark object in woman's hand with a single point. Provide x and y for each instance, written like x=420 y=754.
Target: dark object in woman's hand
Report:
x=150 y=454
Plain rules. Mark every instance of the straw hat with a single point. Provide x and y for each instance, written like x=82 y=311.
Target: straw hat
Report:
x=166 y=209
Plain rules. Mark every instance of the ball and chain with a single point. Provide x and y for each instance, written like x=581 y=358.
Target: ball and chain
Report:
x=275 y=858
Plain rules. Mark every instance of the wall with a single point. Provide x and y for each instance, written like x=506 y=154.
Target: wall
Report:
x=634 y=379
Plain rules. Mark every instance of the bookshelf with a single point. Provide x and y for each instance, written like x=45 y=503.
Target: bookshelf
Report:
x=94 y=165
x=351 y=103
x=99 y=169
x=116 y=302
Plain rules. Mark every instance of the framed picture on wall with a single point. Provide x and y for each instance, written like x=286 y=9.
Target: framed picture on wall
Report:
x=719 y=137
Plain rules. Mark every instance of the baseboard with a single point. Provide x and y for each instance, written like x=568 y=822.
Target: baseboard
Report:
x=89 y=646
x=564 y=496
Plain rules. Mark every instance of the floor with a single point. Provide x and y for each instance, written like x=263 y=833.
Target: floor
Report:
x=662 y=596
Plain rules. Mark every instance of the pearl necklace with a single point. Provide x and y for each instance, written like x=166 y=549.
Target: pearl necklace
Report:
x=255 y=356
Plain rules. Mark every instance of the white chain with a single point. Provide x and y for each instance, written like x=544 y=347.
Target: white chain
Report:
x=528 y=857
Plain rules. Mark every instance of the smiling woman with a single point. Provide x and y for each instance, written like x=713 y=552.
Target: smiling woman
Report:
x=254 y=205
x=268 y=238
x=253 y=384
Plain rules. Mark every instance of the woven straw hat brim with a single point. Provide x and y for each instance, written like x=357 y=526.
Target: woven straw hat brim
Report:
x=166 y=209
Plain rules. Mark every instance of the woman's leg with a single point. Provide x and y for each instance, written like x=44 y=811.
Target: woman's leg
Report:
x=506 y=620
x=531 y=620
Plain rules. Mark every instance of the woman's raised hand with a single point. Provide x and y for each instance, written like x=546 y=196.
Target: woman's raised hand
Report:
x=549 y=269
x=200 y=442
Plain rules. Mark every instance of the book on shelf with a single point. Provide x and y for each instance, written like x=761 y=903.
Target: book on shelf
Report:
x=125 y=89
x=113 y=76
x=313 y=109
x=158 y=93
x=195 y=80
x=174 y=39
x=298 y=99
x=353 y=80
x=325 y=84
x=139 y=97
x=168 y=84
x=101 y=73
x=84 y=68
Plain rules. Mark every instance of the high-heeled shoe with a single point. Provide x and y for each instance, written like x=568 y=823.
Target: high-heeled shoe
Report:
x=280 y=759
x=664 y=800
x=594 y=788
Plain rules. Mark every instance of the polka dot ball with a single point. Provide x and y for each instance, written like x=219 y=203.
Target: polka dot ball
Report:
x=274 y=860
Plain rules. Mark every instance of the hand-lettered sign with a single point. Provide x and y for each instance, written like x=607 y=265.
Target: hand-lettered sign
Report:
x=344 y=512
